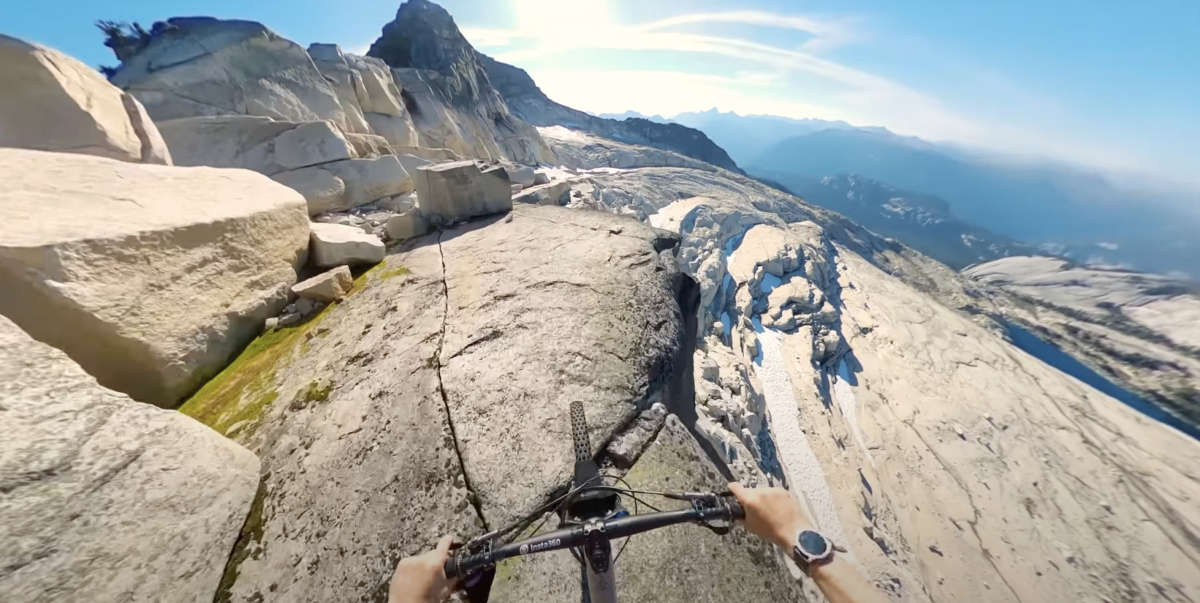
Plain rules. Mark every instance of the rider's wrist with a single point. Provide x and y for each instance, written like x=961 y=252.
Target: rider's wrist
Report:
x=786 y=537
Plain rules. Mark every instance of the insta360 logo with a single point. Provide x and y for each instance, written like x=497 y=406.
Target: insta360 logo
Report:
x=541 y=546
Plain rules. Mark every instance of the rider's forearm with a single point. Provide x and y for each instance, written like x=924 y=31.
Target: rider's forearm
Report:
x=844 y=582
x=839 y=580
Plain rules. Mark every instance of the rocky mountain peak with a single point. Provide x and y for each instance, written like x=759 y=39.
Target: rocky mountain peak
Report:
x=424 y=36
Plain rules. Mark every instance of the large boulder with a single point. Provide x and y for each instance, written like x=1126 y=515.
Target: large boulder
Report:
x=104 y=498
x=204 y=66
x=311 y=144
x=262 y=144
x=341 y=245
x=322 y=190
x=366 y=465
x=369 y=180
x=326 y=287
x=153 y=275
x=53 y=102
x=313 y=158
x=449 y=192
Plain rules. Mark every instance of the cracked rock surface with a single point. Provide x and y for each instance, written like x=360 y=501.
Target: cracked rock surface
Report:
x=103 y=498
x=433 y=399
x=965 y=469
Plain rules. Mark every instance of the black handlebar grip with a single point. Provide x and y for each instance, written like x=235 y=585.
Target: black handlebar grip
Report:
x=736 y=510
x=451 y=568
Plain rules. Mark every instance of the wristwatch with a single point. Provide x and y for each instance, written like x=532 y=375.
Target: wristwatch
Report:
x=811 y=550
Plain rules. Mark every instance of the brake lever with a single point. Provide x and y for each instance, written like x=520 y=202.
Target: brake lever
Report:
x=702 y=501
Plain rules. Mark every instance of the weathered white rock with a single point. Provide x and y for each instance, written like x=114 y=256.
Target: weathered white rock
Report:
x=338 y=245
x=159 y=274
x=236 y=141
x=407 y=225
x=454 y=191
x=326 y=287
x=540 y=177
x=412 y=162
x=367 y=146
x=521 y=174
x=554 y=193
x=322 y=190
x=397 y=131
x=369 y=180
x=311 y=144
x=53 y=102
x=434 y=155
x=205 y=66
x=104 y=498
x=398 y=203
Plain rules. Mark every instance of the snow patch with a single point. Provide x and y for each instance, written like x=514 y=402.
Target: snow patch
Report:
x=769 y=282
x=795 y=454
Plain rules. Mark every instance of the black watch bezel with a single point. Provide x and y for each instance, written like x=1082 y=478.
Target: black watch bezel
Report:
x=807 y=559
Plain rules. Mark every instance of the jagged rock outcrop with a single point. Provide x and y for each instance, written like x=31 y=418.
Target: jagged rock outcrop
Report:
x=953 y=465
x=450 y=192
x=158 y=274
x=368 y=93
x=204 y=66
x=528 y=102
x=107 y=499
x=235 y=94
x=448 y=92
x=53 y=102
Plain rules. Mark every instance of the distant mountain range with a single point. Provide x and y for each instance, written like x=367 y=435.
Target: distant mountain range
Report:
x=922 y=222
x=1062 y=209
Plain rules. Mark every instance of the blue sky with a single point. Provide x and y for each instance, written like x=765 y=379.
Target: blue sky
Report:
x=1109 y=83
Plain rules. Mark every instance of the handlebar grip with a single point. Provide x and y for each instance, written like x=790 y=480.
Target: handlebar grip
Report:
x=736 y=510
x=451 y=568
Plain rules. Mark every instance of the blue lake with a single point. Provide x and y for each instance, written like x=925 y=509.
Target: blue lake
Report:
x=1064 y=362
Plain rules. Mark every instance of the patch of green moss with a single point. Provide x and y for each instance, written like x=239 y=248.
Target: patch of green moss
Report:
x=394 y=272
x=315 y=393
x=508 y=569
x=364 y=279
x=240 y=394
x=249 y=543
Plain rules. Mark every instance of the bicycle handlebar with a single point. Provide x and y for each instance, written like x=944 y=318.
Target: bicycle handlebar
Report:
x=460 y=565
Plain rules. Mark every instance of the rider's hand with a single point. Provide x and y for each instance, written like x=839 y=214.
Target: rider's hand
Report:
x=422 y=579
x=772 y=514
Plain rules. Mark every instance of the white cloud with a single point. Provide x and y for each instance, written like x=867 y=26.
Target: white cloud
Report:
x=792 y=82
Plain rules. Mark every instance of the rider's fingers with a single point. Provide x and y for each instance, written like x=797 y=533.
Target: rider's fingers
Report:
x=443 y=545
x=737 y=489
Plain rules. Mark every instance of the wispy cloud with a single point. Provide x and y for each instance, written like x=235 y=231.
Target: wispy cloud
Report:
x=799 y=81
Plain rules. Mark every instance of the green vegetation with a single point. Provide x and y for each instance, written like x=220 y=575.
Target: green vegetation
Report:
x=394 y=272
x=360 y=283
x=248 y=544
x=242 y=392
x=234 y=401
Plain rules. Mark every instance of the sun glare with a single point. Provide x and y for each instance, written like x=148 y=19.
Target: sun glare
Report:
x=559 y=19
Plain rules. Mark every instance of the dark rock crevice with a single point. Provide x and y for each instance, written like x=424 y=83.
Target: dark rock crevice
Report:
x=437 y=363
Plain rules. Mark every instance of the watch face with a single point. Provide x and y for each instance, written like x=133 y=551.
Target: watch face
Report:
x=814 y=544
